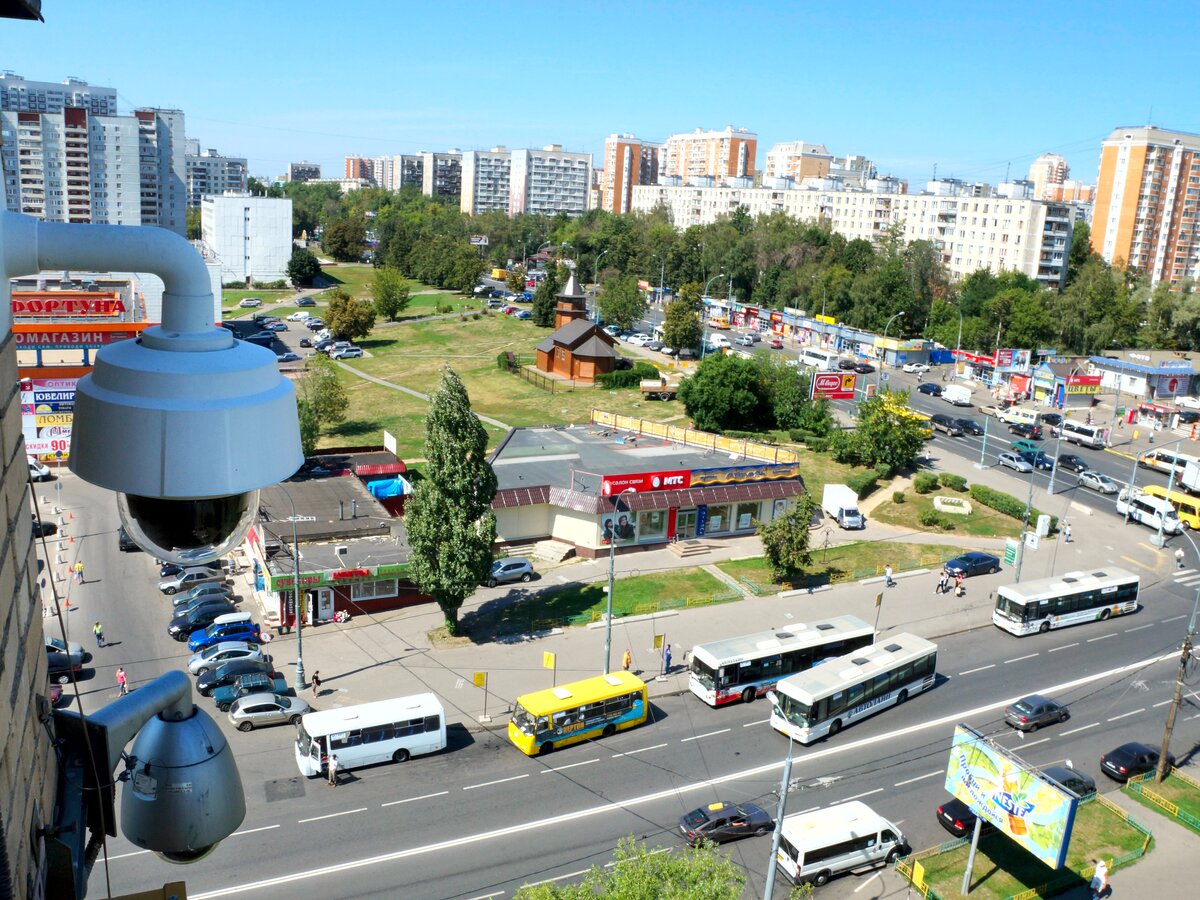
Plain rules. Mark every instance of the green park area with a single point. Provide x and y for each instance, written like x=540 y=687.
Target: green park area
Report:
x=425 y=300
x=231 y=298
x=982 y=521
x=1178 y=797
x=842 y=562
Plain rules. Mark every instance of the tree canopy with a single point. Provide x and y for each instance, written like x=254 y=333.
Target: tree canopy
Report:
x=389 y=292
x=303 y=267
x=348 y=318
x=321 y=401
x=345 y=239
x=620 y=302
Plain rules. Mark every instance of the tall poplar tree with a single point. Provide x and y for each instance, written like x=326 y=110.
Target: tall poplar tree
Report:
x=449 y=518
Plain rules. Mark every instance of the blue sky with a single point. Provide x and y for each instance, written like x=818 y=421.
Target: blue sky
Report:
x=970 y=87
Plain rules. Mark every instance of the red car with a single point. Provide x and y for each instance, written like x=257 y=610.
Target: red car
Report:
x=775 y=344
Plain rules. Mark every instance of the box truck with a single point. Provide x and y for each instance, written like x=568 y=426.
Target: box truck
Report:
x=841 y=503
x=957 y=394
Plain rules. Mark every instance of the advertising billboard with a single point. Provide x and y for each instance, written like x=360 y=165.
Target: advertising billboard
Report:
x=47 y=411
x=1028 y=807
x=742 y=474
x=833 y=385
x=640 y=482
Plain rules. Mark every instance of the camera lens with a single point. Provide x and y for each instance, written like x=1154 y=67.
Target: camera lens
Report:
x=188 y=531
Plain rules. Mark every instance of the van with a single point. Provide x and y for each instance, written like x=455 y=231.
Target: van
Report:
x=718 y=341
x=1186 y=506
x=957 y=395
x=1019 y=414
x=1149 y=510
x=815 y=846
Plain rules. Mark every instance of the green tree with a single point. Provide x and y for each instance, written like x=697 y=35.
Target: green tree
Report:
x=690 y=295
x=345 y=239
x=347 y=317
x=544 y=296
x=639 y=873
x=1081 y=249
x=321 y=400
x=310 y=427
x=682 y=328
x=303 y=267
x=787 y=395
x=515 y=281
x=785 y=539
x=882 y=435
x=448 y=518
x=193 y=224
x=389 y=292
x=726 y=393
x=620 y=302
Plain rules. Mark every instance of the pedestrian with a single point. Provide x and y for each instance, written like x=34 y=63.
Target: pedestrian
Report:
x=98 y=631
x=122 y=682
x=1099 y=883
x=941 y=583
x=78 y=571
x=1067 y=532
x=627 y=660
x=887 y=575
x=667 y=659
x=1179 y=557
x=332 y=765
x=959 y=590
x=316 y=683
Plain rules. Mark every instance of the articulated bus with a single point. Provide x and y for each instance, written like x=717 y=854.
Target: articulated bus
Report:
x=582 y=710
x=371 y=733
x=1038 y=606
x=746 y=667
x=825 y=699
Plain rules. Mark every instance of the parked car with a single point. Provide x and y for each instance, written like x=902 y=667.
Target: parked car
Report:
x=217 y=654
x=863 y=368
x=744 y=340
x=38 y=471
x=124 y=542
x=59 y=666
x=775 y=344
x=256 y=710
x=1054 y=420
x=1098 y=481
x=315 y=324
x=250 y=303
x=1189 y=417
x=956 y=817
x=1025 y=430
x=227 y=673
x=306 y=301
x=170 y=570
x=261 y=338
x=916 y=368
x=1014 y=462
x=970 y=426
x=847 y=364
x=1038 y=459
x=638 y=339
x=203 y=614
x=655 y=346
x=288 y=357
x=250 y=683
x=668 y=351
x=306 y=342
x=612 y=330
x=513 y=568
x=54 y=693
x=71 y=648
x=275 y=326
x=1025 y=447
x=224 y=631
x=1032 y=712
x=942 y=422
x=1131 y=759
x=522 y=314
x=992 y=410
x=1073 y=463
x=346 y=353
x=928 y=387
x=189 y=578
x=192 y=594
x=42 y=528
x=725 y=821
x=1079 y=783
x=973 y=562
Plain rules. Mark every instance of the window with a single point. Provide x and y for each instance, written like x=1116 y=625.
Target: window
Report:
x=652 y=525
x=718 y=519
x=372 y=590
x=746 y=514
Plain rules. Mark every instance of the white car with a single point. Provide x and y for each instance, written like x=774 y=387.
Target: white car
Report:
x=346 y=353
x=916 y=368
x=1014 y=462
x=299 y=316
x=250 y=303
x=639 y=339
x=218 y=654
x=1098 y=482
x=745 y=340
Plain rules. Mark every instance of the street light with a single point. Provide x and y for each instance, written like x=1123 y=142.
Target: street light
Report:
x=596 y=285
x=612 y=563
x=769 y=888
x=299 y=682
x=883 y=358
x=704 y=342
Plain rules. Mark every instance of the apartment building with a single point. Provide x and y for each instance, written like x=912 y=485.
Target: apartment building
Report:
x=549 y=181
x=709 y=154
x=162 y=159
x=250 y=236
x=1147 y=207
x=485 y=180
x=441 y=174
x=1046 y=172
x=798 y=160
x=19 y=95
x=209 y=172
x=303 y=171
x=628 y=161
x=375 y=170
x=972 y=232
x=408 y=169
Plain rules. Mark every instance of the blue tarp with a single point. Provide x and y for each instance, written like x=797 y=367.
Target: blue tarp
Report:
x=382 y=490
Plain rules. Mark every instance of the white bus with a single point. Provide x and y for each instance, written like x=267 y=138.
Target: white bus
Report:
x=821 y=360
x=1148 y=510
x=837 y=693
x=1069 y=599
x=1084 y=435
x=1166 y=461
x=815 y=846
x=746 y=667
x=387 y=730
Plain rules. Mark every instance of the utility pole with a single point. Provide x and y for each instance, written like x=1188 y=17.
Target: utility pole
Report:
x=1184 y=655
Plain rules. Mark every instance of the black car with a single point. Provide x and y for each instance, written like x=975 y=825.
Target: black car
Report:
x=322 y=346
x=724 y=821
x=1129 y=760
x=198 y=617
x=1052 y=419
x=1078 y=783
x=124 y=542
x=973 y=562
x=226 y=673
x=956 y=817
x=43 y=529
x=1039 y=460
x=1189 y=417
x=262 y=338
x=1073 y=463
x=969 y=426
x=1025 y=430
x=306 y=301
x=864 y=368
x=846 y=364
x=943 y=422
x=305 y=342
x=928 y=387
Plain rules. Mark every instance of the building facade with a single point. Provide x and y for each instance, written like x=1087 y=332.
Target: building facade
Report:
x=250 y=236
x=485 y=180
x=19 y=95
x=798 y=160
x=441 y=174
x=1047 y=171
x=711 y=154
x=628 y=161
x=209 y=173
x=1147 y=207
x=303 y=171
x=407 y=171
x=549 y=181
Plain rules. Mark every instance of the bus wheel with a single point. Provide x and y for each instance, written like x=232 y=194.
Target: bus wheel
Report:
x=748 y=695
x=834 y=727
x=901 y=697
x=1043 y=628
x=400 y=756
x=821 y=878
x=609 y=731
x=1104 y=614
x=545 y=748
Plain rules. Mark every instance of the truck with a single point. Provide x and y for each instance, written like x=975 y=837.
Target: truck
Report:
x=665 y=387
x=957 y=395
x=1190 y=478
x=250 y=683
x=499 y=274
x=841 y=504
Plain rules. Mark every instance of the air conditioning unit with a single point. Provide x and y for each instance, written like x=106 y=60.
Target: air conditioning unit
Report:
x=341 y=549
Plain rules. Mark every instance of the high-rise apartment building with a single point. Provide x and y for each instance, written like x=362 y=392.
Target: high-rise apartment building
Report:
x=209 y=173
x=1147 y=209
x=628 y=161
x=408 y=169
x=709 y=154
x=19 y=95
x=303 y=171
x=798 y=160
x=549 y=181
x=357 y=167
x=441 y=174
x=162 y=157
x=485 y=180
x=250 y=236
x=1045 y=172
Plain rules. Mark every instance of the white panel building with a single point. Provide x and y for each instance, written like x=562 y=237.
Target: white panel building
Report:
x=250 y=236
x=209 y=172
x=20 y=95
x=485 y=180
x=550 y=181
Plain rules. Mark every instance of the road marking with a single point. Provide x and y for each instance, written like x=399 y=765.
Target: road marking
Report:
x=1130 y=559
x=559 y=877
x=980 y=669
x=698 y=736
x=471 y=787
x=347 y=812
x=488 y=896
x=249 y=831
x=802 y=812
x=1161 y=703
x=1103 y=637
x=586 y=762
x=675 y=792
x=1024 y=746
x=865 y=883
x=1183 y=572
x=1063 y=647
x=642 y=750
x=918 y=778
x=1139 y=628
x=134 y=853
x=1172 y=619
x=860 y=796
x=1019 y=658
x=1077 y=730
x=414 y=799
x=759 y=722
x=1128 y=714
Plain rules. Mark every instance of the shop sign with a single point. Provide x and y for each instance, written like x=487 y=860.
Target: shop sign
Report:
x=833 y=385
x=350 y=574
x=975 y=360
x=640 y=482
x=701 y=520
x=742 y=474
x=64 y=339
x=1047 y=352
x=826 y=320
x=776 y=317
x=54 y=304
x=793 y=312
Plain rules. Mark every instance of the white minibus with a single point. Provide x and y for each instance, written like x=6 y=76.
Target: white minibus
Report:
x=1019 y=414
x=815 y=846
x=821 y=360
x=371 y=733
x=1151 y=511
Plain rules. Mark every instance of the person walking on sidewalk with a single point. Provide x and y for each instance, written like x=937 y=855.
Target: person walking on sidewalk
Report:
x=98 y=631
x=1099 y=882
x=1067 y=532
x=316 y=683
x=122 y=682
x=1179 y=557
x=667 y=660
x=887 y=576
x=627 y=660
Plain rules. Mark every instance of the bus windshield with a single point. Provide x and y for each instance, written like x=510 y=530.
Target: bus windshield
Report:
x=704 y=674
x=523 y=720
x=1008 y=607
x=796 y=712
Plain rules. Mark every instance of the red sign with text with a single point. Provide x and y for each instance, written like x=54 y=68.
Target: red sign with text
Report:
x=58 y=303
x=834 y=385
x=640 y=482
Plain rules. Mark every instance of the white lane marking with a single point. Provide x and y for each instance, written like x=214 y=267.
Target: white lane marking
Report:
x=415 y=799
x=642 y=750
x=471 y=787
x=488 y=896
x=1172 y=619
x=1183 y=572
x=860 y=796
x=523 y=828
x=1128 y=714
x=1063 y=647
x=865 y=883
x=235 y=834
x=348 y=812
x=980 y=669
x=1019 y=658
x=586 y=762
x=698 y=736
x=918 y=778
x=759 y=722
x=1139 y=628
x=1161 y=703
x=1103 y=637
x=124 y=855
x=802 y=812
x=559 y=877
x=1077 y=730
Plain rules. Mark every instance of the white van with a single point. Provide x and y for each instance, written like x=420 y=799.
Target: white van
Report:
x=1015 y=414
x=718 y=341
x=815 y=846
x=1150 y=511
x=957 y=395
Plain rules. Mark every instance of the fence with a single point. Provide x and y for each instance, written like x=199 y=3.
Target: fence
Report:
x=522 y=368
x=693 y=438
x=1138 y=786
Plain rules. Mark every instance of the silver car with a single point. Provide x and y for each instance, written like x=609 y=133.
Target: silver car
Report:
x=513 y=568
x=202 y=592
x=221 y=653
x=190 y=578
x=1013 y=461
x=256 y=710
x=1098 y=481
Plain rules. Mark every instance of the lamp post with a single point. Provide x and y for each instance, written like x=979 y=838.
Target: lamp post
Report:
x=596 y=285
x=299 y=683
x=612 y=564
x=883 y=358
x=769 y=887
x=1058 y=443
x=703 y=295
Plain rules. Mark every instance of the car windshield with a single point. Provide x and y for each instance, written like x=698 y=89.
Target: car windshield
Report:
x=695 y=818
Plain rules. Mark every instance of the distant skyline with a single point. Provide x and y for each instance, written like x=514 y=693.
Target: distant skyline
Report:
x=974 y=91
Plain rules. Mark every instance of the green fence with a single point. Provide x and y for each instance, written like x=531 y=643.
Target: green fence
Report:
x=1139 y=785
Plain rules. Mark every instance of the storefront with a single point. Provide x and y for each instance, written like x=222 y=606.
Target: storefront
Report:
x=1064 y=385
x=974 y=367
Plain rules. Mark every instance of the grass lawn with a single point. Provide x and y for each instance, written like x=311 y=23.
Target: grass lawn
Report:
x=1003 y=869
x=1175 y=790
x=633 y=594
x=845 y=562
x=982 y=522
x=355 y=279
x=233 y=298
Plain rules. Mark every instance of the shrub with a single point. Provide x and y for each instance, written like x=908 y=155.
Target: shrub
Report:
x=761 y=437
x=627 y=378
x=931 y=518
x=898 y=497
x=502 y=360
x=953 y=482
x=862 y=483
x=885 y=471
x=1007 y=504
x=925 y=483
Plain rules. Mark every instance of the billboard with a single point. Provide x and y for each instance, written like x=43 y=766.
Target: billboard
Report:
x=47 y=412
x=833 y=385
x=640 y=482
x=742 y=474
x=1028 y=807
x=1012 y=360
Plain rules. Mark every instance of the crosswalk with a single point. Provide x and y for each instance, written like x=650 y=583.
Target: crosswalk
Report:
x=1186 y=577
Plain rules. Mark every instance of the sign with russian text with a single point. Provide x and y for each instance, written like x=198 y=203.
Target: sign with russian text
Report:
x=743 y=474
x=47 y=406
x=641 y=482
x=64 y=337
x=833 y=385
x=27 y=304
